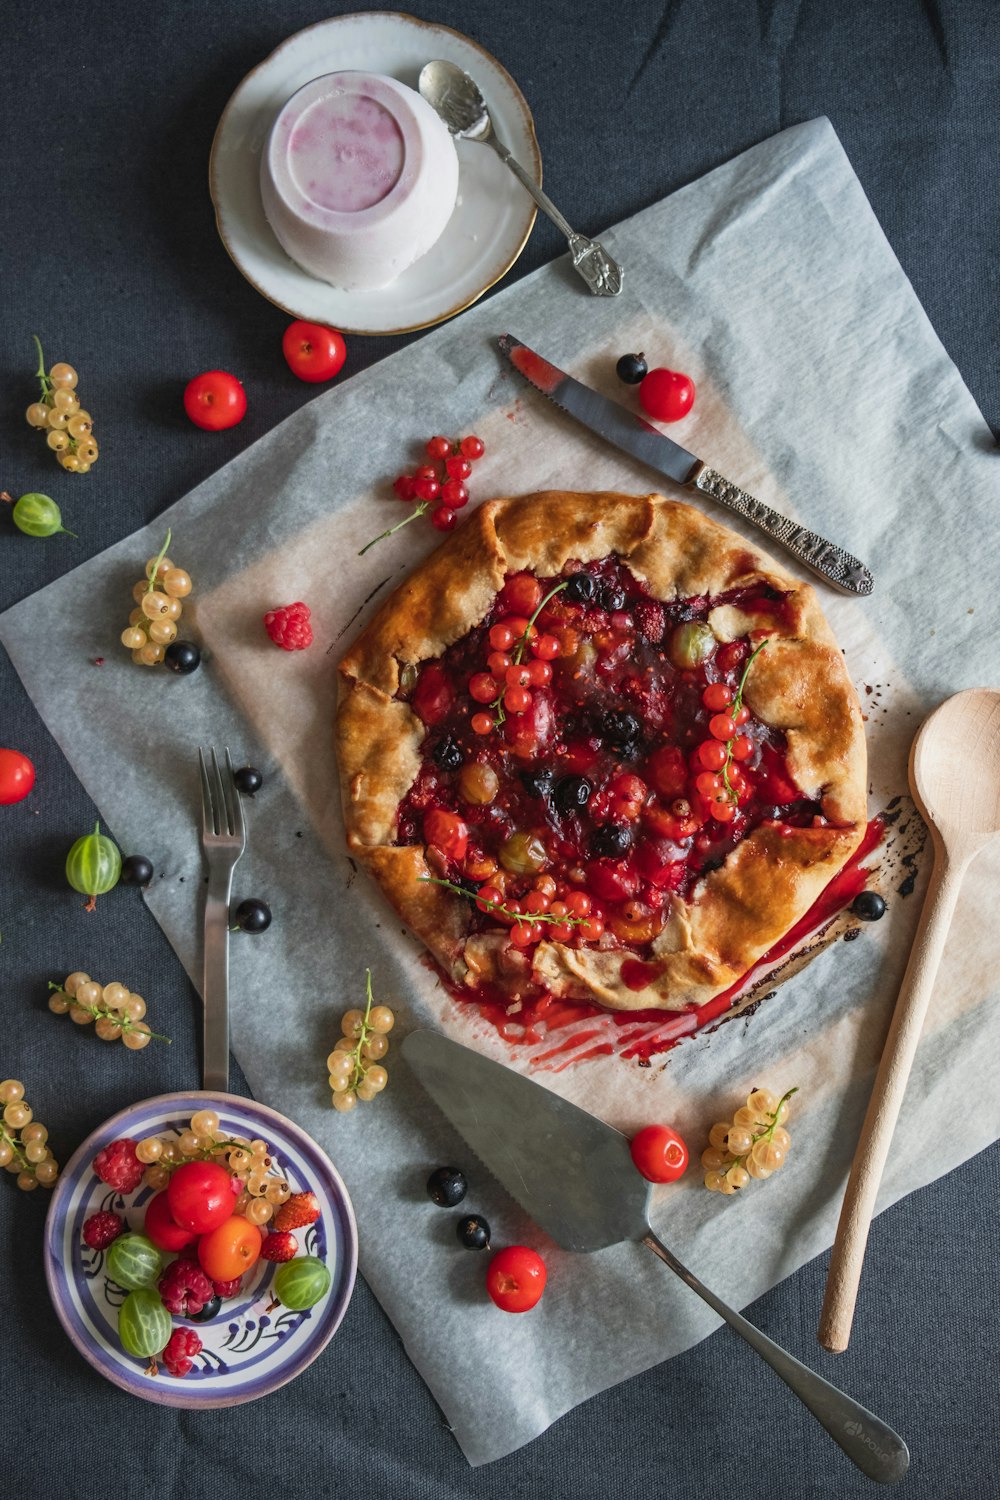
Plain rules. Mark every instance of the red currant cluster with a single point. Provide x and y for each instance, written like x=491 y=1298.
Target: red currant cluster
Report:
x=439 y=484
x=506 y=683
x=721 y=782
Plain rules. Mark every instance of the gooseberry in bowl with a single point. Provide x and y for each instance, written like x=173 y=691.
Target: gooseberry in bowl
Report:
x=232 y=1367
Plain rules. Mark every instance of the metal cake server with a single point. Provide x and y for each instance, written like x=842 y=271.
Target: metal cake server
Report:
x=574 y=1176
x=456 y=98
x=642 y=441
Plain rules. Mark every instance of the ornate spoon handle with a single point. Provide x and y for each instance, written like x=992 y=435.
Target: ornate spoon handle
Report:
x=825 y=558
x=590 y=260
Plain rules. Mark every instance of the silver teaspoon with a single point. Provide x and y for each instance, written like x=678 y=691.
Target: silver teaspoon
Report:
x=456 y=98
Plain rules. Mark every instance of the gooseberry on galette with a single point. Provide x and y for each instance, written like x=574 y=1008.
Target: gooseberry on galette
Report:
x=598 y=746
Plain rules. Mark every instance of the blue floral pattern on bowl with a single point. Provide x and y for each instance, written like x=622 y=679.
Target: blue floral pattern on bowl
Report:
x=253 y=1345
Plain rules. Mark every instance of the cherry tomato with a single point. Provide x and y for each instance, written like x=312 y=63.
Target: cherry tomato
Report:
x=199 y=1197
x=229 y=1250
x=161 y=1227
x=516 y=1278
x=667 y=395
x=17 y=776
x=313 y=352
x=659 y=1153
x=215 y=400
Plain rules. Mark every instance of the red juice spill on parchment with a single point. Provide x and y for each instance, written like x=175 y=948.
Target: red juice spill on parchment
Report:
x=657 y=1030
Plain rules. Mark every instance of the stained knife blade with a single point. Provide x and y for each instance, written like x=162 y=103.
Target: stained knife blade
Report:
x=640 y=440
x=573 y=1175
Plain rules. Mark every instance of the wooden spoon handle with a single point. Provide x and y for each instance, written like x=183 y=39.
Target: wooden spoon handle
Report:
x=883 y=1107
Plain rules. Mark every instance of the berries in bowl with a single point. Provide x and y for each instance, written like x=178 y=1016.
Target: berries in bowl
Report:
x=169 y=1285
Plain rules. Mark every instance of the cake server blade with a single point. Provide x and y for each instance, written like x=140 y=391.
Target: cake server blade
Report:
x=639 y=439
x=573 y=1175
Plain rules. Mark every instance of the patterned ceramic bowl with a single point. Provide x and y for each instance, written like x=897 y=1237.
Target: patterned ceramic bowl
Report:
x=250 y=1348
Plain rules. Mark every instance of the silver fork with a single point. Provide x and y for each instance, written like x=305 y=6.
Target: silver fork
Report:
x=223 y=840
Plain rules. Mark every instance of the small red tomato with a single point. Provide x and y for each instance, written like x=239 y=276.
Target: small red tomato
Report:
x=659 y=1153
x=17 y=777
x=215 y=400
x=199 y=1196
x=516 y=1278
x=667 y=395
x=313 y=352
x=162 y=1228
x=230 y=1249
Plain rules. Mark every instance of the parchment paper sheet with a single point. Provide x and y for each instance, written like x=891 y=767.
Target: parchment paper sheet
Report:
x=823 y=389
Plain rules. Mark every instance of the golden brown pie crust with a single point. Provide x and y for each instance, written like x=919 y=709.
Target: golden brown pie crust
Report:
x=799 y=684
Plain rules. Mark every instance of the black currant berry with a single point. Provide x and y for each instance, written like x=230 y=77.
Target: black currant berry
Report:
x=252 y=916
x=611 y=841
x=620 y=729
x=869 y=906
x=572 y=794
x=248 y=780
x=182 y=657
x=136 y=870
x=581 y=588
x=447 y=1186
x=207 y=1313
x=447 y=754
x=473 y=1232
x=632 y=368
x=611 y=597
x=537 y=782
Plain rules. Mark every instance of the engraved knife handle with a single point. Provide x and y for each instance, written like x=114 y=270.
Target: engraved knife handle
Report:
x=603 y=275
x=829 y=561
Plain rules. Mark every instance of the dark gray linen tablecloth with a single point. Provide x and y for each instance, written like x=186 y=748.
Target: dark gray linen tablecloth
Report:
x=109 y=253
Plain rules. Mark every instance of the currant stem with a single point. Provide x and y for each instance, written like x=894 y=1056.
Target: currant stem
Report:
x=514 y=916
x=40 y=374
x=159 y=558
x=15 y=1146
x=734 y=707
x=417 y=511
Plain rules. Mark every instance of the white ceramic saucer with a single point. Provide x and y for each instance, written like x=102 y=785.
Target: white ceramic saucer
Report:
x=493 y=216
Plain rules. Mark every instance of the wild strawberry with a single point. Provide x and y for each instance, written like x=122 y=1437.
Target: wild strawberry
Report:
x=119 y=1167
x=102 y=1229
x=298 y=1210
x=279 y=1246
x=289 y=627
x=179 y=1355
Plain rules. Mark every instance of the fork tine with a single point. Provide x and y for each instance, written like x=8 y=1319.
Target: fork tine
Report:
x=219 y=796
x=238 y=823
x=207 y=812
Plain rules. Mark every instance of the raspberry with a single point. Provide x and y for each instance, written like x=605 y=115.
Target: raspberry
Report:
x=119 y=1167
x=300 y=1209
x=102 y=1229
x=280 y=1246
x=226 y=1289
x=185 y=1289
x=650 y=620
x=289 y=627
x=179 y=1354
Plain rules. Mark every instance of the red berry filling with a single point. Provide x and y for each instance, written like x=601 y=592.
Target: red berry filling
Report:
x=587 y=759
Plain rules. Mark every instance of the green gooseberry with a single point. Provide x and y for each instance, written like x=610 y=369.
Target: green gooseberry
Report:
x=38 y=515
x=94 y=864
x=690 y=644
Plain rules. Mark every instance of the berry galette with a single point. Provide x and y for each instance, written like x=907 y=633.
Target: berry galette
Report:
x=597 y=745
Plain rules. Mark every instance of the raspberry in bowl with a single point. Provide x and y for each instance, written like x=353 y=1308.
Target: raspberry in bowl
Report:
x=230 y=1340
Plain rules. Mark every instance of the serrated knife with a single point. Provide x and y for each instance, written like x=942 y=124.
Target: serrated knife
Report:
x=640 y=440
x=574 y=1176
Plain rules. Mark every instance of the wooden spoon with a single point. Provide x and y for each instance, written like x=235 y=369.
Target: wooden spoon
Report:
x=955 y=780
